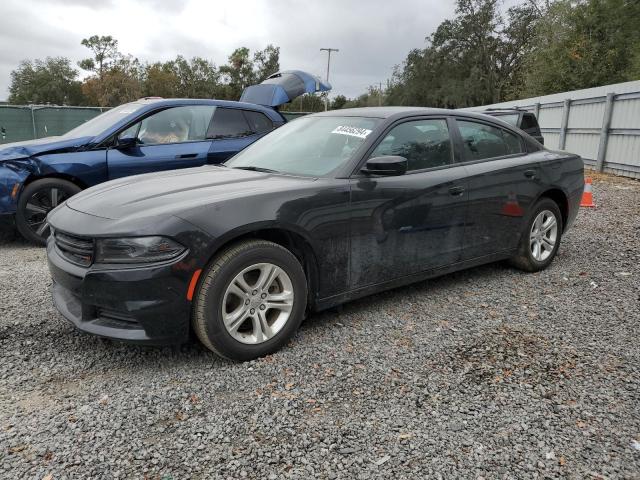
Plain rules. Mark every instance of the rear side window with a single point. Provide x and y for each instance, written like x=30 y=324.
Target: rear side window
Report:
x=424 y=143
x=511 y=119
x=529 y=123
x=258 y=122
x=228 y=123
x=482 y=141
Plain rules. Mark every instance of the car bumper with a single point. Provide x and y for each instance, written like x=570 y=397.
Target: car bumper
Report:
x=141 y=305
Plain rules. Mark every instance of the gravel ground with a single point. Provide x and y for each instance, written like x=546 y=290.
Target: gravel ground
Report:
x=488 y=373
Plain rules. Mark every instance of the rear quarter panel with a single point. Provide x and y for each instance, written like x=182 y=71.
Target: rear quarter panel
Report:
x=564 y=171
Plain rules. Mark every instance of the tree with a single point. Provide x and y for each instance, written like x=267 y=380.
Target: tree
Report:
x=197 y=78
x=119 y=84
x=52 y=80
x=473 y=59
x=266 y=62
x=105 y=51
x=338 y=102
x=238 y=73
x=584 y=44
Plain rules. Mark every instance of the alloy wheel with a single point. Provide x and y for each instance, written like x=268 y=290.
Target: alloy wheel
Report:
x=39 y=205
x=257 y=303
x=543 y=235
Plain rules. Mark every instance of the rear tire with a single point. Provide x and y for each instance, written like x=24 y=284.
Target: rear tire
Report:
x=36 y=201
x=540 y=238
x=250 y=301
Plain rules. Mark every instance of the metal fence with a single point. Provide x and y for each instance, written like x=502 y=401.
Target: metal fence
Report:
x=599 y=124
x=20 y=122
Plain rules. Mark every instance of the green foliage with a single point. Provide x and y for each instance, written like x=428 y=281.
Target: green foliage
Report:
x=118 y=78
x=584 y=44
x=308 y=102
x=105 y=51
x=472 y=59
x=52 y=80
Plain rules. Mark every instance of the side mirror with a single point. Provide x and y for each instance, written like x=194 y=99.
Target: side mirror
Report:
x=124 y=143
x=389 y=165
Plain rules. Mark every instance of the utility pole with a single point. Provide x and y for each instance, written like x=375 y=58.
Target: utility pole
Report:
x=380 y=95
x=328 y=50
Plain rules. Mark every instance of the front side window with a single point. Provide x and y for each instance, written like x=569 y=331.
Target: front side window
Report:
x=173 y=125
x=310 y=146
x=424 y=143
x=229 y=123
x=482 y=141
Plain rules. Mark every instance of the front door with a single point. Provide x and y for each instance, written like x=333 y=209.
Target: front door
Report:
x=170 y=139
x=410 y=223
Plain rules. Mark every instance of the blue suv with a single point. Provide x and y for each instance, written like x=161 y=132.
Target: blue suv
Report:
x=148 y=135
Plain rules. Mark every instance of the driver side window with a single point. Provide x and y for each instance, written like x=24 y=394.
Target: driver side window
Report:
x=173 y=125
x=424 y=143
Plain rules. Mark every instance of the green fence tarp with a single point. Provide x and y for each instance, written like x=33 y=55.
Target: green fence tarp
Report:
x=19 y=123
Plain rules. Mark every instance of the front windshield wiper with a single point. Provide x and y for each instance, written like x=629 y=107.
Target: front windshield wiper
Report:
x=257 y=169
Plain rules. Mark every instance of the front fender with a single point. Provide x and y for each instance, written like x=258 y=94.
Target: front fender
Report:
x=13 y=175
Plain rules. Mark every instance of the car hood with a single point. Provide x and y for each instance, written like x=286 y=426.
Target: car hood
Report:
x=21 y=150
x=176 y=191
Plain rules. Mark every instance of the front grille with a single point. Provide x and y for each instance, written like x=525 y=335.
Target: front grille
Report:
x=78 y=250
x=116 y=319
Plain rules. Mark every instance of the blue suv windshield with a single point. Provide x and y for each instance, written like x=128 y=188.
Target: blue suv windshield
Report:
x=99 y=124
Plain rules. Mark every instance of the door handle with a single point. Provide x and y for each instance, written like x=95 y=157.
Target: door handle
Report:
x=456 y=191
x=187 y=155
x=530 y=174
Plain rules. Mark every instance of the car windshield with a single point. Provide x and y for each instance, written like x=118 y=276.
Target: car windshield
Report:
x=313 y=146
x=99 y=124
x=511 y=118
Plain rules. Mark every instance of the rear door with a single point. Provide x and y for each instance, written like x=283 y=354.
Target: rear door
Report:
x=503 y=182
x=410 y=223
x=169 y=139
x=233 y=129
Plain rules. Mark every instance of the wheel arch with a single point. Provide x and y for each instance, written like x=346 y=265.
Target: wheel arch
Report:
x=62 y=176
x=288 y=238
x=561 y=199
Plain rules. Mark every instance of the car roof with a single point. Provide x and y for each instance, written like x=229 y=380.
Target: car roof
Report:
x=393 y=113
x=162 y=102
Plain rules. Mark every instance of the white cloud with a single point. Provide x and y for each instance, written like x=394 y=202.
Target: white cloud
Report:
x=372 y=36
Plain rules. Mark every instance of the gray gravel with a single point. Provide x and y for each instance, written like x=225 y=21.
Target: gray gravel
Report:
x=489 y=373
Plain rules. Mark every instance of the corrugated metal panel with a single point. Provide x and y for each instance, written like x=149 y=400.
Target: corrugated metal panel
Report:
x=626 y=114
x=624 y=150
x=550 y=117
x=587 y=115
x=625 y=87
x=551 y=140
x=584 y=144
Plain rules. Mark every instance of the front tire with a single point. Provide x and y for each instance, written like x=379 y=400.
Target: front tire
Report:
x=251 y=300
x=36 y=201
x=540 y=238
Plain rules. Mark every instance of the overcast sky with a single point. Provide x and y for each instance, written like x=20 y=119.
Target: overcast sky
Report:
x=372 y=35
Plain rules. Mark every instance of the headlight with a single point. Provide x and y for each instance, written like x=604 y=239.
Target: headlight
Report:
x=136 y=250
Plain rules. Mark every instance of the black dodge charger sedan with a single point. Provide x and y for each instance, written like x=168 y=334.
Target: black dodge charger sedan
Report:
x=326 y=209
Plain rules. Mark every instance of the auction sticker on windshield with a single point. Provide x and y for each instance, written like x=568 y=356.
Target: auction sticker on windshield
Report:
x=352 y=131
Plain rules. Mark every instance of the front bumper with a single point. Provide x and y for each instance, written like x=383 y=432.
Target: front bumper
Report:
x=146 y=304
